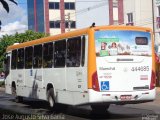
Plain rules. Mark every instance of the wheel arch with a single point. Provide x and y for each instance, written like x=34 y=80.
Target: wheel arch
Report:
x=49 y=86
x=13 y=84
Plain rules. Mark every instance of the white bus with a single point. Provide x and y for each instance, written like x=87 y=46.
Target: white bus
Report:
x=98 y=66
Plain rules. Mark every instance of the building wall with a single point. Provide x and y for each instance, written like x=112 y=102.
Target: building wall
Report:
x=116 y=12
x=60 y=16
x=30 y=5
x=42 y=18
x=40 y=15
x=157 y=23
x=142 y=12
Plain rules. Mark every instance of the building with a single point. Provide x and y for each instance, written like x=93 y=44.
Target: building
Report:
x=157 y=21
x=51 y=16
x=116 y=16
x=138 y=13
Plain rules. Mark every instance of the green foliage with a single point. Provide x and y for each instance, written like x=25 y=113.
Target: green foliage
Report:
x=2 y=83
x=8 y=40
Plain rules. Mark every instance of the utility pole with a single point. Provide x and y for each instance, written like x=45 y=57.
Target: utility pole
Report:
x=69 y=21
x=153 y=16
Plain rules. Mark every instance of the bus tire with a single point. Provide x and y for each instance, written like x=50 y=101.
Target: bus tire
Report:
x=19 y=99
x=99 y=108
x=14 y=93
x=50 y=98
x=13 y=90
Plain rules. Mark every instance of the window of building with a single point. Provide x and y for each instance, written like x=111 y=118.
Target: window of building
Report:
x=66 y=24
x=158 y=11
x=115 y=3
x=20 y=59
x=72 y=24
x=130 y=17
x=53 y=5
x=115 y=22
x=158 y=18
x=28 y=57
x=14 y=59
x=37 y=59
x=59 y=54
x=47 y=55
x=54 y=24
x=69 y=5
x=73 y=52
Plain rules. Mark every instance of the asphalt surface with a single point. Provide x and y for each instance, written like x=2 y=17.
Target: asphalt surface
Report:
x=31 y=109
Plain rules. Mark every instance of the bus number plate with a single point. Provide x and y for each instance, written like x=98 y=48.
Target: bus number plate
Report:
x=125 y=97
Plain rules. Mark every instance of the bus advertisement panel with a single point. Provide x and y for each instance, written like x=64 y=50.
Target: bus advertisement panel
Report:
x=123 y=60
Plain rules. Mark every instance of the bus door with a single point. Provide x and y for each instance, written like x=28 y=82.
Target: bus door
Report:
x=124 y=61
x=7 y=76
x=17 y=67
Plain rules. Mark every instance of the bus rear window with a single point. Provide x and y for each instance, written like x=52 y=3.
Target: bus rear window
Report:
x=122 y=42
x=141 y=40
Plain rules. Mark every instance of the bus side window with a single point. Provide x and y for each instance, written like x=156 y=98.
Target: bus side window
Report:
x=83 y=51
x=20 y=60
x=7 y=66
x=28 y=57
x=14 y=59
x=37 y=59
x=48 y=55
x=59 y=54
x=73 y=52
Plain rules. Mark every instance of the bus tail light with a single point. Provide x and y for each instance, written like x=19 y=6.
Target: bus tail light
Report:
x=95 y=83
x=153 y=79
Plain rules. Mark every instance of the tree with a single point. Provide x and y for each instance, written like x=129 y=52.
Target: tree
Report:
x=6 y=7
x=8 y=40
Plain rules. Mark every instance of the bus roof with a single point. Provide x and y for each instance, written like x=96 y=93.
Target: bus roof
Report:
x=75 y=33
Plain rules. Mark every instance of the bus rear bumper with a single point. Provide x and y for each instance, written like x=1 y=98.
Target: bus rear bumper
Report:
x=121 y=97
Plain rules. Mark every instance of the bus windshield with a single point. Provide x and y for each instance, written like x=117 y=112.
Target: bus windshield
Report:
x=122 y=42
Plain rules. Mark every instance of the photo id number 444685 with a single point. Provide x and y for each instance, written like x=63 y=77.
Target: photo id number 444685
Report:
x=140 y=68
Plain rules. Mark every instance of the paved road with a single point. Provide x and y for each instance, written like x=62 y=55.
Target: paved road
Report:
x=115 y=112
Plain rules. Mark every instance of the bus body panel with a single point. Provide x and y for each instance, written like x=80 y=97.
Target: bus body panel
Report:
x=115 y=97
x=125 y=76
x=76 y=79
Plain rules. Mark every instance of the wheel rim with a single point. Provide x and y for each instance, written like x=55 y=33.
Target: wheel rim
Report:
x=51 y=101
x=13 y=91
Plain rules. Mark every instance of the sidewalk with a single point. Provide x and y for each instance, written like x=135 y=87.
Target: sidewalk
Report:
x=158 y=89
x=2 y=89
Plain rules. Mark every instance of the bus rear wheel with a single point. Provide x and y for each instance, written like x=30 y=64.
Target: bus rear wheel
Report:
x=99 y=108
x=51 y=100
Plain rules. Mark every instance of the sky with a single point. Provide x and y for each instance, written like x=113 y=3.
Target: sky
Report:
x=87 y=12
x=93 y=12
x=16 y=19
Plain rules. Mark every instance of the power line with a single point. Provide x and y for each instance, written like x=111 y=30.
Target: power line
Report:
x=85 y=10
x=91 y=1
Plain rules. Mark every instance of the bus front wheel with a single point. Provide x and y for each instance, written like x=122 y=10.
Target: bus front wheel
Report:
x=50 y=97
x=14 y=93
